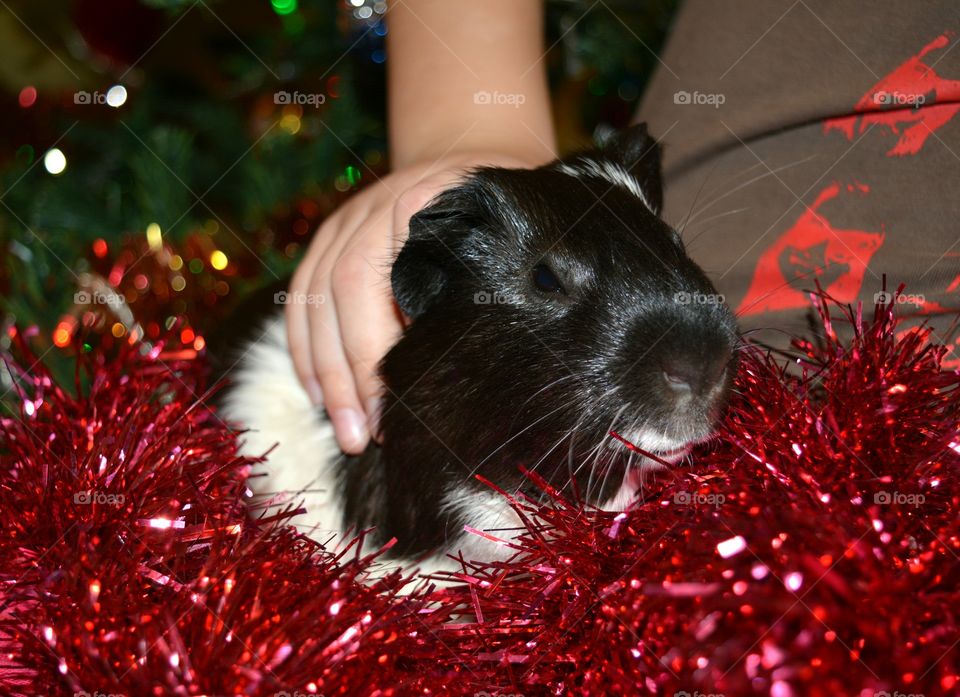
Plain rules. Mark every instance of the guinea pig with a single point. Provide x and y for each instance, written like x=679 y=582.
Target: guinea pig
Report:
x=547 y=307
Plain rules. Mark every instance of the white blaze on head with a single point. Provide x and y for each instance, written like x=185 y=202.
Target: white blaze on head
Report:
x=611 y=172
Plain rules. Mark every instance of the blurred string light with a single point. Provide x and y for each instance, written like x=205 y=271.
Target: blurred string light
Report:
x=349 y=179
x=218 y=260
x=117 y=96
x=290 y=120
x=368 y=9
x=28 y=97
x=284 y=7
x=55 y=161
x=154 y=237
x=369 y=24
x=352 y=174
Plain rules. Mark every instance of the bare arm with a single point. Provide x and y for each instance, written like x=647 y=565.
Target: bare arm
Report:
x=445 y=56
x=441 y=54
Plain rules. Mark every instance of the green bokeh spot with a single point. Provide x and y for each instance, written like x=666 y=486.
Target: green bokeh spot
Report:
x=284 y=7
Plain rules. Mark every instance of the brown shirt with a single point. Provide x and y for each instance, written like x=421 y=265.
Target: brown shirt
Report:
x=815 y=140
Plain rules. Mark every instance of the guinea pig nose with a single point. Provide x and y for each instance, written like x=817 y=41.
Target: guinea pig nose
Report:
x=680 y=376
x=685 y=375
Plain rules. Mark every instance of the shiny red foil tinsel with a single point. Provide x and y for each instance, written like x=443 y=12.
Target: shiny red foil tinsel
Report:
x=812 y=549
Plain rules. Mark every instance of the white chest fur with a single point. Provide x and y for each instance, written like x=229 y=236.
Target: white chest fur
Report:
x=266 y=398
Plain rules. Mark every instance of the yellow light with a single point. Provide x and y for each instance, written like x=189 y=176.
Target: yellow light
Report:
x=176 y=262
x=154 y=237
x=118 y=330
x=178 y=283
x=290 y=123
x=218 y=260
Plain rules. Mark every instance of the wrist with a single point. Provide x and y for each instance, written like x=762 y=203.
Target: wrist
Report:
x=506 y=149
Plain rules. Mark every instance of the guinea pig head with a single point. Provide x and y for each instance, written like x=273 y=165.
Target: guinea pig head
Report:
x=549 y=307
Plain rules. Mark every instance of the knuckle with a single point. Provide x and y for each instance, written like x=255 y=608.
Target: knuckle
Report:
x=350 y=271
x=413 y=199
x=337 y=388
x=368 y=385
x=365 y=366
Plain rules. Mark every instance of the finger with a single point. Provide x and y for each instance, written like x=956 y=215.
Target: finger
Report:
x=333 y=370
x=295 y=313
x=368 y=323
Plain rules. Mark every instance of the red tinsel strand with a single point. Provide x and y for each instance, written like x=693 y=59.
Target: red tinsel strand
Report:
x=812 y=549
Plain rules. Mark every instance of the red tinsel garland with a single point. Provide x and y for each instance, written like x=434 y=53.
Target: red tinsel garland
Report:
x=814 y=549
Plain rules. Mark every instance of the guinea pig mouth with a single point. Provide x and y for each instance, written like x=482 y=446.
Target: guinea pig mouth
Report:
x=654 y=449
x=674 y=455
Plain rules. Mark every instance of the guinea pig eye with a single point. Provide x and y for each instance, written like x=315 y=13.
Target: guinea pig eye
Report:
x=546 y=280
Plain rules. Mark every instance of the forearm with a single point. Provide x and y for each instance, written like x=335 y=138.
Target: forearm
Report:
x=445 y=58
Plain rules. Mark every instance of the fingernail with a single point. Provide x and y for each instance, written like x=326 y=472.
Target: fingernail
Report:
x=373 y=417
x=314 y=392
x=349 y=426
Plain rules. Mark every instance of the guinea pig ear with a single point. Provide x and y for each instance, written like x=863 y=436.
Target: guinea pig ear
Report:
x=633 y=149
x=421 y=271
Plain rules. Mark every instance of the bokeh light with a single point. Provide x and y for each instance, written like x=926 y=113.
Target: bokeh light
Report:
x=28 y=97
x=284 y=7
x=218 y=260
x=154 y=237
x=117 y=96
x=55 y=161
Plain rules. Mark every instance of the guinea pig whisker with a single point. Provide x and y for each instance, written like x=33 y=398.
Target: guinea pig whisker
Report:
x=596 y=448
x=545 y=388
x=734 y=211
x=598 y=451
x=514 y=437
x=693 y=205
x=768 y=173
x=547 y=454
x=571 y=475
x=594 y=451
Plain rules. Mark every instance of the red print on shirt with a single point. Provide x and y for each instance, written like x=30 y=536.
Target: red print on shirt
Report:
x=913 y=101
x=812 y=250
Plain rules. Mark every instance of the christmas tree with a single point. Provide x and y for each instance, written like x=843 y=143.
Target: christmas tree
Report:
x=164 y=157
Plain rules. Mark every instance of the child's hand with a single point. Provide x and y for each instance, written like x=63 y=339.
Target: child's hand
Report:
x=337 y=344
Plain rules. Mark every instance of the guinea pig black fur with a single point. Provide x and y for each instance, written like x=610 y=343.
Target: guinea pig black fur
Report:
x=548 y=307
